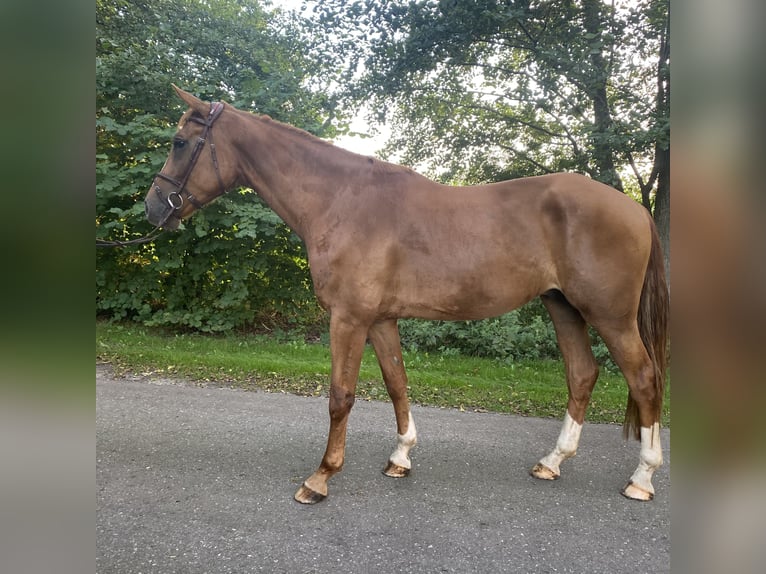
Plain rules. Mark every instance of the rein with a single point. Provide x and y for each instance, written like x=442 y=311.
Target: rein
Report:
x=175 y=199
x=151 y=236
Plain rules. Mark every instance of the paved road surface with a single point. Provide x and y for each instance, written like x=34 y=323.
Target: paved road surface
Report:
x=195 y=480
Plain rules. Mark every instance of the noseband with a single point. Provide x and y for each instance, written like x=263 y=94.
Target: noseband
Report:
x=175 y=199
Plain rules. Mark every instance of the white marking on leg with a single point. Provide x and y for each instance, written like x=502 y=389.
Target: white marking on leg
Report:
x=650 y=458
x=405 y=442
x=566 y=445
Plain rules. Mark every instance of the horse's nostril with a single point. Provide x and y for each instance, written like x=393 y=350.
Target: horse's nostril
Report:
x=146 y=209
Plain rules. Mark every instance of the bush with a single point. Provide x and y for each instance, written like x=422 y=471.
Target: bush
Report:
x=525 y=333
x=216 y=275
x=235 y=262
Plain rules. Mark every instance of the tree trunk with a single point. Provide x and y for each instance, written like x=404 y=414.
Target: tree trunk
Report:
x=603 y=154
x=662 y=148
x=662 y=206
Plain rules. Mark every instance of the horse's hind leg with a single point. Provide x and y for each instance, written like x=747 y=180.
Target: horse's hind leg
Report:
x=384 y=337
x=628 y=351
x=581 y=374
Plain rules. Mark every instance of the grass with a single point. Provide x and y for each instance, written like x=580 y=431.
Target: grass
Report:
x=532 y=388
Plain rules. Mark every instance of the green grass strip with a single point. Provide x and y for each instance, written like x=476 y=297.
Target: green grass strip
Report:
x=531 y=388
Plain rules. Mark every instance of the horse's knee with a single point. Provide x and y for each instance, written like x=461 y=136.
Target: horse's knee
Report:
x=341 y=402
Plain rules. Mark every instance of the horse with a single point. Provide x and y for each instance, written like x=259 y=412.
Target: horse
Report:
x=386 y=243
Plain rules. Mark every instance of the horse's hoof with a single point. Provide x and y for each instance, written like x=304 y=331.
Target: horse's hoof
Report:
x=543 y=472
x=305 y=495
x=636 y=492
x=395 y=471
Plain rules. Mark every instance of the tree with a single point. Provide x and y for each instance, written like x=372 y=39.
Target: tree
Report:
x=238 y=261
x=483 y=90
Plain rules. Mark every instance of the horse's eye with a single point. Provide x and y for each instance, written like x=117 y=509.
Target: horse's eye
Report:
x=179 y=144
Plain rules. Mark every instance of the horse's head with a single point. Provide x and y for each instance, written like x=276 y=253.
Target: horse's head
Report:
x=196 y=172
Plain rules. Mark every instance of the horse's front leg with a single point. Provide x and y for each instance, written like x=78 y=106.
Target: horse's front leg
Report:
x=385 y=340
x=347 y=338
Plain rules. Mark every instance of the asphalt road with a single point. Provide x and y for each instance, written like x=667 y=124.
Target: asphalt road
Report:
x=195 y=480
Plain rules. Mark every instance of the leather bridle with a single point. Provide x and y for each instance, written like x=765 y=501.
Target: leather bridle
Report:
x=175 y=199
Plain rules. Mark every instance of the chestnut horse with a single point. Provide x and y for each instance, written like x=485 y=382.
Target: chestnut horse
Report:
x=385 y=243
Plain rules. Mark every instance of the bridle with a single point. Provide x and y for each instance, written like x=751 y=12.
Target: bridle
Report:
x=175 y=199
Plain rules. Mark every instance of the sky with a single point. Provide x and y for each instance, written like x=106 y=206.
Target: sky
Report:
x=364 y=146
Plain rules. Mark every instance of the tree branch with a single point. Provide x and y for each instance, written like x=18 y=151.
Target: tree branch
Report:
x=526 y=158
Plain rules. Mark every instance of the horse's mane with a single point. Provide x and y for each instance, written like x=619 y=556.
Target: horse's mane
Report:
x=289 y=128
x=380 y=165
x=373 y=162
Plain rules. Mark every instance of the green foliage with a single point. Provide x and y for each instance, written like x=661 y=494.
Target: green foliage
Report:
x=479 y=91
x=528 y=387
x=483 y=90
x=524 y=334
x=236 y=262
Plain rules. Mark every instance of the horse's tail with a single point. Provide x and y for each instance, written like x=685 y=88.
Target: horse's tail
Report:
x=653 y=311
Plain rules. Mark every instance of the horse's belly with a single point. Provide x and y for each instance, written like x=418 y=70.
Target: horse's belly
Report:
x=467 y=298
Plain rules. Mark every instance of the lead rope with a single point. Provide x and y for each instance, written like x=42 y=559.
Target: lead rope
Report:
x=151 y=236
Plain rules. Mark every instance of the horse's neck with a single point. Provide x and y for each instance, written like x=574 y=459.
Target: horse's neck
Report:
x=292 y=172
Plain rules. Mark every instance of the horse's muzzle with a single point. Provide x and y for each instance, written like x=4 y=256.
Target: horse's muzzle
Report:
x=160 y=214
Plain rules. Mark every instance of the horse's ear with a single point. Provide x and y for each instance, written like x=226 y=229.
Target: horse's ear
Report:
x=202 y=108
